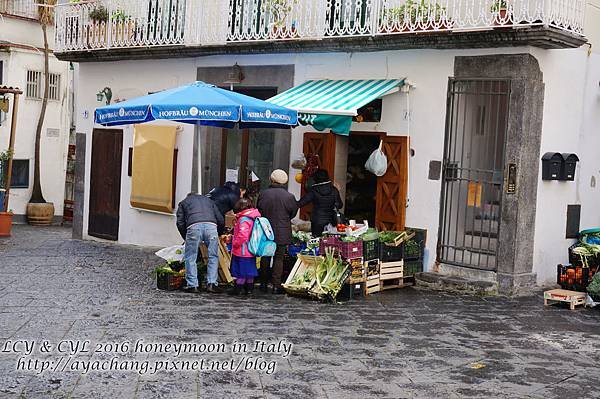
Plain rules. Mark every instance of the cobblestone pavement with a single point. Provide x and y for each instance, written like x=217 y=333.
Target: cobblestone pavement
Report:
x=400 y=344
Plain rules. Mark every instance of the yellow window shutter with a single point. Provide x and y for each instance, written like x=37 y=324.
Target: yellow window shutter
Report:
x=152 y=167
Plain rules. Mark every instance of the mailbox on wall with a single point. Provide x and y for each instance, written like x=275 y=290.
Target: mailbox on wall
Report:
x=552 y=163
x=569 y=166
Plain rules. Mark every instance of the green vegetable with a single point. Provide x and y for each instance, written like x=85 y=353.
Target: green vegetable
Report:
x=349 y=239
x=594 y=287
x=389 y=236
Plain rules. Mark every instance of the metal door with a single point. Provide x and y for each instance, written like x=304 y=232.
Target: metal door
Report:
x=476 y=129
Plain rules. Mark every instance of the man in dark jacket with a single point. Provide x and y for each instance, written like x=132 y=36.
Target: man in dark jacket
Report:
x=197 y=220
x=325 y=198
x=279 y=206
x=225 y=197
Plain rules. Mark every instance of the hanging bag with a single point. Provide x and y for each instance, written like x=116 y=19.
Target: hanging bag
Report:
x=377 y=162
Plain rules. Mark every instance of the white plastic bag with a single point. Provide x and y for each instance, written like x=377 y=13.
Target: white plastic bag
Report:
x=172 y=254
x=299 y=163
x=377 y=162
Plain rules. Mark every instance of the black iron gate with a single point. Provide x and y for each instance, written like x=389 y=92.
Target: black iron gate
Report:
x=476 y=125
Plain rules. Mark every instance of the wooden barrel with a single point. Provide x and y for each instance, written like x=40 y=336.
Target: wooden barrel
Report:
x=40 y=214
x=5 y=223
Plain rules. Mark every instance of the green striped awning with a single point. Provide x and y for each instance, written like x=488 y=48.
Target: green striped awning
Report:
x=331 y=104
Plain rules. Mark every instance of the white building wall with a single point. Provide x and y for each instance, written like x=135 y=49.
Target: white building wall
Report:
x=571 y=120
x=26 y=36
x=128 y=80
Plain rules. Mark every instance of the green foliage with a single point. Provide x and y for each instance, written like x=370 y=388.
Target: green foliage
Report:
x=594 y=287
x=279 y=9
x=99 y=14
x=414 y=11
x=498 y=5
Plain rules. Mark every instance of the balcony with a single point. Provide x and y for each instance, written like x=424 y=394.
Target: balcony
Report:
x=19 y=8
x=166 y=28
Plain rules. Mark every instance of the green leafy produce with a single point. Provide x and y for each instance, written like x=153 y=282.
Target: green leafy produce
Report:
x=594 y=287
x=331 y=273
x=299 y=237
x=411 y=246
x=370 y=235
x=349 y=239
x=389 y=236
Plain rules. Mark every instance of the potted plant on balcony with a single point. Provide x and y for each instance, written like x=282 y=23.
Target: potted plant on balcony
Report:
x=499 y=12
x=279 y=11
x=96 y=30
x=5 y=217
x=123 y=27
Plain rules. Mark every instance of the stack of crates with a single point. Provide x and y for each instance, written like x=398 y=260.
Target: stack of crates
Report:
x=414 y=250
x=372 y=265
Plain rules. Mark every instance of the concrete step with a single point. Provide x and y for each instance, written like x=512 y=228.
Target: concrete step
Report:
x=444 y=282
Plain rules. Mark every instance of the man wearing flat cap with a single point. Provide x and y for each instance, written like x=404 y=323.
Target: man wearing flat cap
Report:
x=279 y=206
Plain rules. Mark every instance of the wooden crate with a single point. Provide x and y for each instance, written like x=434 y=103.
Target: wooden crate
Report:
x=303 y=264
x=391 y=270
x=224 y=262
x=573 y=298
x=372 y=268
x=373 y=285
x=395 y=283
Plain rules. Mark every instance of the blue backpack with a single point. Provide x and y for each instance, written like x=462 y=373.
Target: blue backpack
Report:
x=262 y=238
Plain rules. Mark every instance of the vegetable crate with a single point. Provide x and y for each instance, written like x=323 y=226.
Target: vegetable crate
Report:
x=392 y=275
x=412 y=267
x=294 y=250
x=169 y=282
x=373 y=285
x=358 y=271
x=414 y=249
x=388 y=253
x=303 y=275
x=329 y=242
x=372 y=268
x=337 y=281
x=371 y=249
x=575 y=259
x=351 y=250
x=574 y=278
x=352 y=291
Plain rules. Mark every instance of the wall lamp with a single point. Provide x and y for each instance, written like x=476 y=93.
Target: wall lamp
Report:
x=105 y=93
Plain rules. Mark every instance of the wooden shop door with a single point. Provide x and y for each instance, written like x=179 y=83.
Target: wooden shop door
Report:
x=105 y=183
x=392 y=187
x=323 y=145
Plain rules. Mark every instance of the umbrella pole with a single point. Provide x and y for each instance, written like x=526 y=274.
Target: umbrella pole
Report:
x=11 y=148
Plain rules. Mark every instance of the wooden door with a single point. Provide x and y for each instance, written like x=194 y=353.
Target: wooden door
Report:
x=323 y=145
x=392 y=188
x=105 y=183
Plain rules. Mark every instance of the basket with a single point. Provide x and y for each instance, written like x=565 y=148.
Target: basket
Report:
x=371 y=249
x=350 y=250
x=391 y=254
x=169 y=282
x=329 y=242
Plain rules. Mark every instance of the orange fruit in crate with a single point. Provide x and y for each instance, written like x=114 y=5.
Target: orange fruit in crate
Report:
x=298 y=178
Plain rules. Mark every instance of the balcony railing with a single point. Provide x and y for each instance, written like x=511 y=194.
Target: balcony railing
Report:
x=20 y=8
x=103 y=24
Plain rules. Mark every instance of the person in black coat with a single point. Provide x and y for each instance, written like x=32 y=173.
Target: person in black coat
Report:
x=279 y=207
x=325 y=198
x=225 y=198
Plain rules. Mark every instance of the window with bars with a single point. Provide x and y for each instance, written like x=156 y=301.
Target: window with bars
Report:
x=34 y=84
x=54 y=87
x=35 y=87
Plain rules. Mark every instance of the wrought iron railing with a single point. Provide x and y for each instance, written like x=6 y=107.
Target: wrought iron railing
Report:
x=20 y=8
x=102 y=24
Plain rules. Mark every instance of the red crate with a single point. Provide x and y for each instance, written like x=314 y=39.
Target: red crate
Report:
x=329 y=242
x=350 y=250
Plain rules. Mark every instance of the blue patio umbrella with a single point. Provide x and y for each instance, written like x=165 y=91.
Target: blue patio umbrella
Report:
x=198 y=103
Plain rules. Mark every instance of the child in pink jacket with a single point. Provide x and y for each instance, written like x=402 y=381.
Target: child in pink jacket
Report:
x=243 y=263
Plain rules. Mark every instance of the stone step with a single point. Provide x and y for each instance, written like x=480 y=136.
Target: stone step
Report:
x=443 y=282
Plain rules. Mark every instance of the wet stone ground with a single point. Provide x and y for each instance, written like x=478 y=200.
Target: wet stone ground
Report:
x=401 y=344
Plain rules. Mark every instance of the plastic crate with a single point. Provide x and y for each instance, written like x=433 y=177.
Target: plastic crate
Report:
x=351 y=250
x=352 y=291
x=371 y=249
x=294 y=250
x=575 y=259
x=574 y=278
x=391 y=254
x=329 y=242
x=414 y=251
x=412 y=267
x=169 y=282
